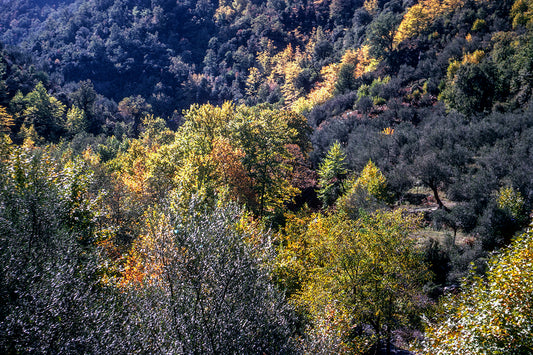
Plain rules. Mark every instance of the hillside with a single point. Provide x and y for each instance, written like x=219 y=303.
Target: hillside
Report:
x=275 y=176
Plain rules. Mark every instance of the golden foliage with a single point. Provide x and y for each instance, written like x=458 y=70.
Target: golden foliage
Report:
x=511 y=200
x=492 y=315
x=146 y=258
x=371 y=6
x=6 y=120
x=522 y=13
x=468 y=58
x=343 y=272
x=388 y=131
x=253 y=81
x=323 y=91
x=421 y=16
x=231 y=173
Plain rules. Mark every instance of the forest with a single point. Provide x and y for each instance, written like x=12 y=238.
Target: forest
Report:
x=266 y=177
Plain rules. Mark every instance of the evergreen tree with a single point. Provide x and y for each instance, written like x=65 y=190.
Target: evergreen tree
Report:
x=331 y=174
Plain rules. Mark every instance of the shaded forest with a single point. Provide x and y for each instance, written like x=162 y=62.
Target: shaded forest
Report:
x=282 y=176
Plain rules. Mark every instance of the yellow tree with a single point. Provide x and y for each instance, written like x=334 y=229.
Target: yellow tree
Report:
x=368 y=191
x=331 y=174
x=417 y=19
x=493 y=315
x=372 y=181
x=76 y=120
x=6 y=120
x=366 y=272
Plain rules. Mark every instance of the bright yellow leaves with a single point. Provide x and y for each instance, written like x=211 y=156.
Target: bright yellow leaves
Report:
x=421 y=16
x=371 y=6
x=76 y=120
x=6 y=120
x=368 y=191
x=388 y=131
x=373 y=181
x=417 y=19
x=324 y=90
x=281 y=69
x=468 y=58
x=362 y=60
x=253 y=81
x=474 y=58
x=492 y=316
x=512 y=201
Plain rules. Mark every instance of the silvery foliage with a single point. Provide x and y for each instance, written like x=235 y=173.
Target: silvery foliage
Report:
x=213 y=293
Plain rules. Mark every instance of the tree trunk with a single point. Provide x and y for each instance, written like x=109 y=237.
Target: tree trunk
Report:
x=437 y=198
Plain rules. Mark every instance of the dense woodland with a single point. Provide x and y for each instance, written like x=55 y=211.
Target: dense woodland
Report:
x=264 y=177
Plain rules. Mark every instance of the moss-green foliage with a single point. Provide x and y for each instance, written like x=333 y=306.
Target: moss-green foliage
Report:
x=349 y=274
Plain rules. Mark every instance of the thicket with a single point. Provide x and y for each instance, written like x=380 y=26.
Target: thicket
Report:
x=357 y=160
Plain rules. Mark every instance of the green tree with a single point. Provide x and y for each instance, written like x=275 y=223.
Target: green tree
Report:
x=380 y=34
x=51 y=298
x=44 y=112
x=263 y=135
x=346 y=79
x=85 y=99
x=471 y=88
x=331 y=174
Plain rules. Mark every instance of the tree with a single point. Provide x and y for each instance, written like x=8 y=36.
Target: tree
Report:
x=85 y=99
x=331 y=174
x=341 y=11
x=434 y=173
x=472 y=89
x=51 y=298
x=6 y=120
x=263 y=135
x=492 y=315
x=346 y=79
x=522 y=13
x=350 y=275
x=133 y=110
x=202 y=271
x=76 y=121
x=44 y=112
x=373 y=181
x=512 y=201
x=380 y=35
x=368 y=191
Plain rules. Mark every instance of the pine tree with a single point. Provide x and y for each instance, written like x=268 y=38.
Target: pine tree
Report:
x=331 y=174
